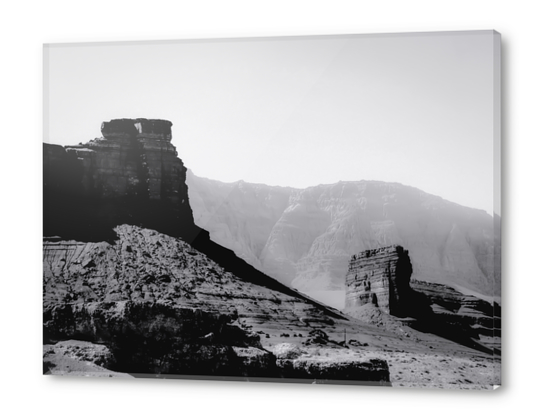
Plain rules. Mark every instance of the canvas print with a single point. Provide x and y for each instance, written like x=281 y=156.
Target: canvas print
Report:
x=311 y=209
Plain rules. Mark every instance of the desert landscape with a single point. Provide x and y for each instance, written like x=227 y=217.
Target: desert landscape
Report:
x=150 y=271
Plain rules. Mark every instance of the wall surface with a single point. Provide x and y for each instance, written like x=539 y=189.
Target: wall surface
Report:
x=28 y=26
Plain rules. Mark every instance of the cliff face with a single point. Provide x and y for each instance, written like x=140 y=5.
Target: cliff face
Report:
x=381 y=277
x=131 y=175
x=309 y=235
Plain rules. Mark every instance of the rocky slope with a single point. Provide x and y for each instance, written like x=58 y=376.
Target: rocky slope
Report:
x=305 y=238
x=159 y=307
x=162 y=307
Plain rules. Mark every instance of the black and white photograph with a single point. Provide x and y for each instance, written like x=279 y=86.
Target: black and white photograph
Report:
x=292 y=209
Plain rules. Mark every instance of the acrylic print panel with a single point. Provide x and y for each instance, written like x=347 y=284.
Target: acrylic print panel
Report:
x=319 y=209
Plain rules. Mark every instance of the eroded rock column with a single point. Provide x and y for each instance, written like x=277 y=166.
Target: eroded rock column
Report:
x=381 y=277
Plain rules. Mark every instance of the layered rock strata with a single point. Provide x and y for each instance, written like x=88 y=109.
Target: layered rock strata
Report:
x=379 y=276
x=130 y=175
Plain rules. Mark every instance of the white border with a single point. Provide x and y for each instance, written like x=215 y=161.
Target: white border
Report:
x=27 y=26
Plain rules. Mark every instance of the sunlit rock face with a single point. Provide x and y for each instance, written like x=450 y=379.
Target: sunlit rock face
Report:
x=309 y=235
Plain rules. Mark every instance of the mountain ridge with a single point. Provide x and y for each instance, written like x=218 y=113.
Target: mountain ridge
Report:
x=191 y=173
x=368 y=214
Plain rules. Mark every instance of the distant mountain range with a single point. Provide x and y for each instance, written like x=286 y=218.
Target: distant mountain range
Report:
x=305 y=237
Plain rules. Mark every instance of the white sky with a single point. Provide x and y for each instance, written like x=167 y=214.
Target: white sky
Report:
x=416 y=109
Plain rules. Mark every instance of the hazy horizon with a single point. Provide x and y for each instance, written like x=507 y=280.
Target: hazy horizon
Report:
x=415 y=109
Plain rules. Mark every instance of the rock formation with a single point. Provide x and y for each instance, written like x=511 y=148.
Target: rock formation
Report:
x=381 y=277
x=160 y=337
x=131 y=175
x=305 y=238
